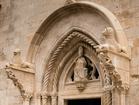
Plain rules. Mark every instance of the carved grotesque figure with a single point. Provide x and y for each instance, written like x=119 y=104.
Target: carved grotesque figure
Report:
x=111 y=43
x=80 y=71
x=18 y=62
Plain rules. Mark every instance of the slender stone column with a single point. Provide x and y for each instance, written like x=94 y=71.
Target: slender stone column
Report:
x=27 y=97
x=115 y=96
x=38 y=99
x=44 y=98
x=54 y=98
x=122 y=96
x=107 y=95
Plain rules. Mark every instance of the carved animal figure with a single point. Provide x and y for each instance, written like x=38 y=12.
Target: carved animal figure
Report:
x=111 y=43
x=18 y=62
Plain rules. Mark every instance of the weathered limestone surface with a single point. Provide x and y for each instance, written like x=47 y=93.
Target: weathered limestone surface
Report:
x=20 y=19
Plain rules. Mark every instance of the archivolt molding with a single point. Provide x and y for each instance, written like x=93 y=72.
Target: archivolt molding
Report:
x=52 y=60
x=70 y=53
x=46 y=25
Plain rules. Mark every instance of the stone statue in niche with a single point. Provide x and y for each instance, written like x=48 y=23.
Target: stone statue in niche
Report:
x=111 y=43
x=80 y=71
x=18 y=62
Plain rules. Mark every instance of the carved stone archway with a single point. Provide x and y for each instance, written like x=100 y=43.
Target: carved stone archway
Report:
x=51 y=60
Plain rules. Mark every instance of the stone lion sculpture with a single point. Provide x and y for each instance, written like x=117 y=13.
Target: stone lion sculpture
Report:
x=111 y=43
x=18 y=62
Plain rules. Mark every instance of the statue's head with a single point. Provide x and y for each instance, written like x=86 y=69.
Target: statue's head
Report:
x=17 y=51
x=108 y=32
x=81 y=62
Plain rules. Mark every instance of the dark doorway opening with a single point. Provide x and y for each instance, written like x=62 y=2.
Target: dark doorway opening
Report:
x=95 y=101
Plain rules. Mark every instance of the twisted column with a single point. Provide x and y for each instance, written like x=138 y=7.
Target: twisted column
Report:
x=44 y=98
x=54 y=98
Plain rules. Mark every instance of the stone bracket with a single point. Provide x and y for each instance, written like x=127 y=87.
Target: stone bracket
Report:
x=23 y=80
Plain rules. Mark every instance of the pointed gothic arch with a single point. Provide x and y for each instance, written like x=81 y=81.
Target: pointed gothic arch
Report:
x=50 y=64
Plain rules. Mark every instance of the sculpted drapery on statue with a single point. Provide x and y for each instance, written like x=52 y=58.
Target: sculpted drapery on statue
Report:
x=80 y=71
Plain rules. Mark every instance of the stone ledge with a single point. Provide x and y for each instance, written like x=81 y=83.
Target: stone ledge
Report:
x=23 y=70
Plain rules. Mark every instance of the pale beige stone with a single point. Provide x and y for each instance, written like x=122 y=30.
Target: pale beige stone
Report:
x=36 y=24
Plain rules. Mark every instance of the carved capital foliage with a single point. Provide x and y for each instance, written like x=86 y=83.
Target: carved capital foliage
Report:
x=27 y=96
x=44 y=95
x=38 y=95
x=53 y=94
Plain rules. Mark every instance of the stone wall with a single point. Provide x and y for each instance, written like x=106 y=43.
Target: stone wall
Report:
x=19 y=20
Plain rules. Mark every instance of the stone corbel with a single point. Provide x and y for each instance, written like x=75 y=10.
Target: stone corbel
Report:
x=115 y=60
x=22 y=74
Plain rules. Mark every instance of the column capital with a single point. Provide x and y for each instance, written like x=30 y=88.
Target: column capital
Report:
x=44 y=94
x=38 y=95
x=108 y=88
x=53 y=94
x=27 y=96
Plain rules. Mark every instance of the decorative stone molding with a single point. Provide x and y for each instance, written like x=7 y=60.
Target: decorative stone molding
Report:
x=54 y=56
x=67 y=56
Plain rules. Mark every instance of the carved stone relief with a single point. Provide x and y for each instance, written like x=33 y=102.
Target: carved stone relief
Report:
x=114 y=58
x=22 y=74
x=111 y=43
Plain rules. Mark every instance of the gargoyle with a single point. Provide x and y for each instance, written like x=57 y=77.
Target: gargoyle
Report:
x=111 y=43
x=18 y=62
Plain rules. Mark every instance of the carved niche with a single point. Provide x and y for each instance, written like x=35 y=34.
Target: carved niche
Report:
x=22 y=74
x=84 y=70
